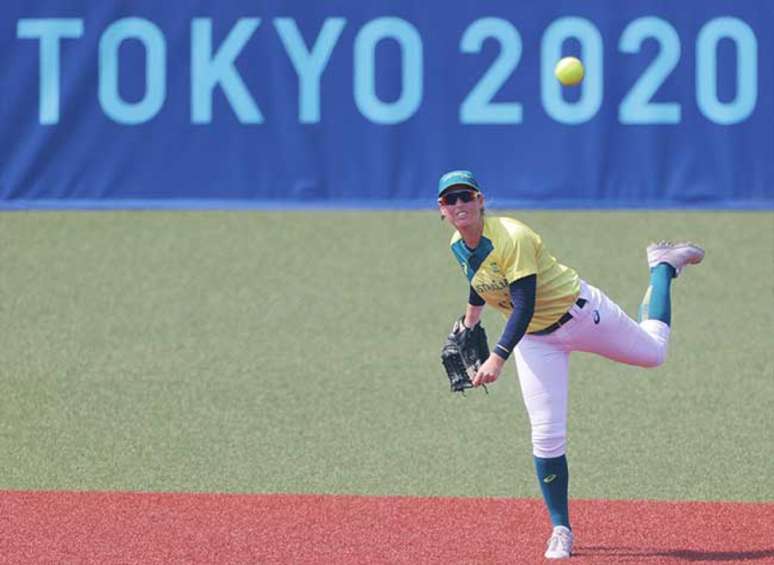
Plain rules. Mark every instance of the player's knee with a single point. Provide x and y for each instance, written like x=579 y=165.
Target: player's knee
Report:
x=549 y=441
x=654 y=359
x=654 y=353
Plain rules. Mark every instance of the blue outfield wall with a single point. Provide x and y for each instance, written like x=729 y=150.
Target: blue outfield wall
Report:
x=267 y=104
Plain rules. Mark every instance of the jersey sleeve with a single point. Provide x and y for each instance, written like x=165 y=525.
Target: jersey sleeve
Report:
x=520 y=255
x=474 y=299
x=523 y=300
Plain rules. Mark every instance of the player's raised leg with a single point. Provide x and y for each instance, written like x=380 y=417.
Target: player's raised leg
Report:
x=542 y=367
x=602 y=327
x=605 y=329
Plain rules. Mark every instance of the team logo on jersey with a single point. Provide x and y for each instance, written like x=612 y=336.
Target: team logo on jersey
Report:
x=596 y=316
x=490 y=285
x=494 y=267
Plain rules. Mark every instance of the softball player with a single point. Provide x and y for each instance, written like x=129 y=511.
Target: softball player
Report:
x=550 y=312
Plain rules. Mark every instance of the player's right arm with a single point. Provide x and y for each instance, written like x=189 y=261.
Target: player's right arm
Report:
x=523 y=293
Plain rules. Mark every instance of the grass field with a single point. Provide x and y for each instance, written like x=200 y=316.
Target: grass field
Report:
x=297 y=352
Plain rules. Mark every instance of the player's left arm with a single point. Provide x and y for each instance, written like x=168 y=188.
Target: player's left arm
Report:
x=474 y=308
x=523 y=292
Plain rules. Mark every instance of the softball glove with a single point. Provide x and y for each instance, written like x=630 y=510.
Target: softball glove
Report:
x=464 y=352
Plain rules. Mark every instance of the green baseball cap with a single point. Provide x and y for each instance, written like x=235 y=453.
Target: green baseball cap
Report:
x=454 y=178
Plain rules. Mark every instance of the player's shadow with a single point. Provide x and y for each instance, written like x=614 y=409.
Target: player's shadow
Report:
x=621 y=554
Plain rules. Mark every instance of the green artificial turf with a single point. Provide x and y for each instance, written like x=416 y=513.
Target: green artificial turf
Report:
x=299 y=352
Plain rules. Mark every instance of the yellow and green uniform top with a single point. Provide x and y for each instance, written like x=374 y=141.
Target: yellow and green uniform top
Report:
x=509 y=250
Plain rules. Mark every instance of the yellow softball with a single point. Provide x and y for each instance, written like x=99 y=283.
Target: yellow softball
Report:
x=569 y=71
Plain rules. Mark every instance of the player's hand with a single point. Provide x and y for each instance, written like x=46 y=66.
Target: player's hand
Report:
x=489 y=371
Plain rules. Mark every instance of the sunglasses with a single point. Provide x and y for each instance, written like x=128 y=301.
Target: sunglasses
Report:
x=449 y=199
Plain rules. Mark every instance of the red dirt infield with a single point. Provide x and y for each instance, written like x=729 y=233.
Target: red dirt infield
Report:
x=108 y=527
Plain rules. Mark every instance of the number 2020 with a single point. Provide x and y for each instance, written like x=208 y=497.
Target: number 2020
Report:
x=637 y=106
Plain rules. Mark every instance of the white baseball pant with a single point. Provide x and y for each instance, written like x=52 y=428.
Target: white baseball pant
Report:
x=600 y=327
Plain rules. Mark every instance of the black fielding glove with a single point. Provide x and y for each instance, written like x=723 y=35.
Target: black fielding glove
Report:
x=464 y=351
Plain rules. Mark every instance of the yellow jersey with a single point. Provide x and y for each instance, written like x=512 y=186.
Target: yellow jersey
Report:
x=510 y=250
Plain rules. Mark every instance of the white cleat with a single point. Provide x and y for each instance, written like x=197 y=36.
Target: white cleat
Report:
x=560 y=543
x=676 y=254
